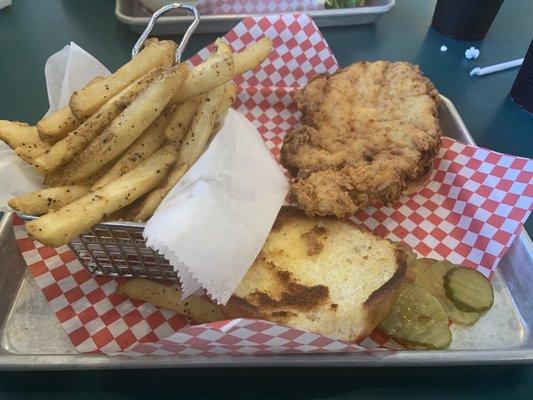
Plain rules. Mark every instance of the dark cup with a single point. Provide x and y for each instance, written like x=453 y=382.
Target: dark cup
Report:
x=522 y=90
x=465 y=19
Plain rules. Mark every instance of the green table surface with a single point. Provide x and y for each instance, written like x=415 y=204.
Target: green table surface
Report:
x=30 y=31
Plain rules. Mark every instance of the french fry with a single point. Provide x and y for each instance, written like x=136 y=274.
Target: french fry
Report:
x=29 y=152
x=230 y=94
x=213 y=72
x=55 y=126
x=194 y=308
x=198 y=135
x=92 y=179
x=16 y=134
x=151 y=41
x=152 y=200
x=222 y=49
x=49 y=199
x=252 y=56
x=150 y=141
x=218 y=69
x=181 y=119
x=123 y=131
x=86 y=102
x=59 y=227
x=71 y=145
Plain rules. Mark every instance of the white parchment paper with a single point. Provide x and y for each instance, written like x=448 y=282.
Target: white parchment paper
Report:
x=215 y=221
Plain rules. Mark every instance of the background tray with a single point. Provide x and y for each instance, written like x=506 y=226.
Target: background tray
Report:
x=131 y=13
x=31 y=337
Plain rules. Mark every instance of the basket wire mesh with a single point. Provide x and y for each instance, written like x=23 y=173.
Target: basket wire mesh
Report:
x=120 y=251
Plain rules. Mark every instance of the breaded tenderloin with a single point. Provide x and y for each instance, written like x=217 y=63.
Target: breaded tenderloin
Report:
x=369 y=134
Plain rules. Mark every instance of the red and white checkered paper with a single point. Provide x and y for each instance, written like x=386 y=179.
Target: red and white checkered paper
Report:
x=211 y=7
x=469 y=213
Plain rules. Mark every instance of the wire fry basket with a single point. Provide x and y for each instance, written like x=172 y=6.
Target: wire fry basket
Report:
x=117 y=248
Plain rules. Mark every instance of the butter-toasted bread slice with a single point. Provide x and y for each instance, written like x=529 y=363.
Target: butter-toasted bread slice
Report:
x=321 y=275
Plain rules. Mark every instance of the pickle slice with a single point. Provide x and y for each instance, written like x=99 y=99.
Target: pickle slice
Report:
x=417 y=319
x=432 y=278
x=417 y=267
x=469 y=289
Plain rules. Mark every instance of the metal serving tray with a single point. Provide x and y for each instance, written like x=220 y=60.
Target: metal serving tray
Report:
x=131 y=13
x=31 y=337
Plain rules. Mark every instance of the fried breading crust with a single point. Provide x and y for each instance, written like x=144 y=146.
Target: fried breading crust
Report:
x=369 y=134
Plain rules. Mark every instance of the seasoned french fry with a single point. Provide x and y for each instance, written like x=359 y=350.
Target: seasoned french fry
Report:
x=29 y=152
x=150 y=141
x=124 y=129
x=220 y=69
x=71 y=145
x=181 y=119
x=194 y=308
x=96 y=79
x=152 y=200
x=59 y=227
x=58 y=124
x=252 y=56
x=16 y=134
x=151 y=41
x=222 y=49
x=183 y=115
x=92 y=179
x=213 y=72
x=198 y=135
x=49 y=199
x=86 y=102
x=230 y=94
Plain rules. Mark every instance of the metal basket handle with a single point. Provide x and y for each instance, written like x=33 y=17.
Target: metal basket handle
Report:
x=163 y=10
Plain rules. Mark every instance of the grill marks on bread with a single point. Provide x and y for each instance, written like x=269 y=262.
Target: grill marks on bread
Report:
x=323 y=275
x=293 y=294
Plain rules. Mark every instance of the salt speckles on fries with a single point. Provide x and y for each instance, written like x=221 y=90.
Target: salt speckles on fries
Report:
x=152 y=200
x=71 y=145
x=151 y=140
x=252 y=56
x=58 y=124
x=16 y=134
x=85 y=102
x=202 y=125
x=124 y=129
x=49 y=199
x=213 y=72
x=181 y=118
x=30 y=152
x=60 y=227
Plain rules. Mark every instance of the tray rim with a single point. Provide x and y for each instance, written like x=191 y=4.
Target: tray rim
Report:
x=182 y=19
x=413 y=358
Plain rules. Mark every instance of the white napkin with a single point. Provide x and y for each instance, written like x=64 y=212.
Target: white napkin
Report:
x=68 y=70
x=214 y=222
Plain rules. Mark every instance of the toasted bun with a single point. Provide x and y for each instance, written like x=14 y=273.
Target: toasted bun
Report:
x=322 y=275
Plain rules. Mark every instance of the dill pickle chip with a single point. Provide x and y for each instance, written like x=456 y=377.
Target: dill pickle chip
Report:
x=417 y=266
x=417 y=319
x=432 y=278
x=468 y=289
